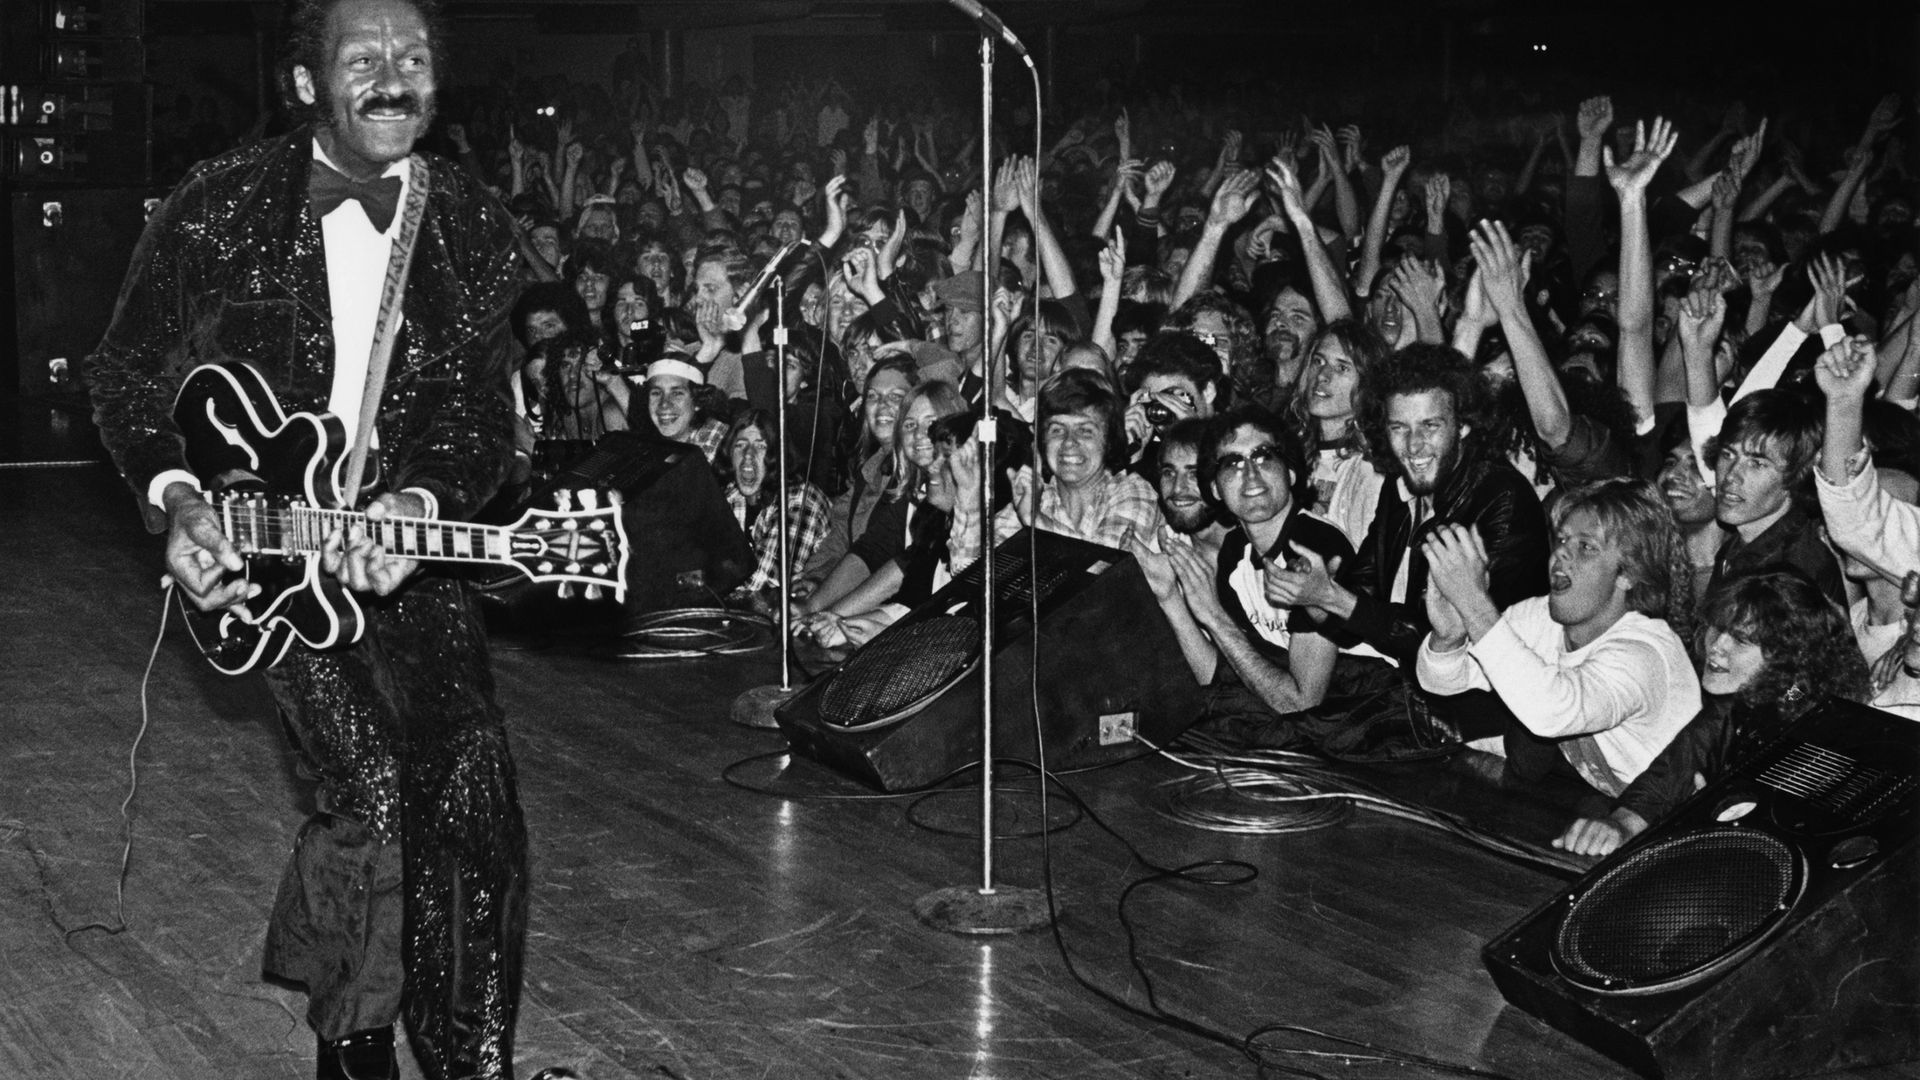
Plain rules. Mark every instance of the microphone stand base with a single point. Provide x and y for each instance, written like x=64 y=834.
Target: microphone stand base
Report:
x=967 y=910
x=754 y=708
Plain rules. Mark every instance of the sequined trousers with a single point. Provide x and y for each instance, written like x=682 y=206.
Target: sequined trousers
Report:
x=406 y=893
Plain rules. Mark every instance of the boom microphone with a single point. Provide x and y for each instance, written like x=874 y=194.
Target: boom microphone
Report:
x=767 y=273
x=991 y=23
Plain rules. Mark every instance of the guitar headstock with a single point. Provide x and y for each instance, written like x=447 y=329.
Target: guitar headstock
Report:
x=583 y=546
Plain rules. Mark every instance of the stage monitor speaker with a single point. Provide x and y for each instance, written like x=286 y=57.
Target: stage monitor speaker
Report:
x=70 y=250
x=686 y=549
x=904 y=711
x=1766 y=928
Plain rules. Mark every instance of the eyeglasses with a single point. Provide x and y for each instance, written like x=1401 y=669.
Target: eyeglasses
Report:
x=1264 y=458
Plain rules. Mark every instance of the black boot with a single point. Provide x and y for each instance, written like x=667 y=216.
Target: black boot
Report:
x=363 y=1055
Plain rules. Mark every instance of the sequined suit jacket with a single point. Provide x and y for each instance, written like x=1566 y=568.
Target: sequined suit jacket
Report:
x=232 y=266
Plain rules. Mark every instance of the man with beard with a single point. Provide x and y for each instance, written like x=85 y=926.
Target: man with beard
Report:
x=1183 y=500
x=1425 y=408
x=406 y=893
x=1265 y=664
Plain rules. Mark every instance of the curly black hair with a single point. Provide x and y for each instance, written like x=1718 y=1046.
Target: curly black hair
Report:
x=1418 y=369
x=307 y=45
x=1807 y=640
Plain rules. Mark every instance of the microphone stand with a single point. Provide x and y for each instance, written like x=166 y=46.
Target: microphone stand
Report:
x=958 y=909
x=755 y=707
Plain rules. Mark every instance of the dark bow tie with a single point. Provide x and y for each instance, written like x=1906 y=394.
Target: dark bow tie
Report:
x=328 y=187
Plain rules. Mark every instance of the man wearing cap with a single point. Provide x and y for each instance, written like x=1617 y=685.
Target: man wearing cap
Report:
x=673 y=408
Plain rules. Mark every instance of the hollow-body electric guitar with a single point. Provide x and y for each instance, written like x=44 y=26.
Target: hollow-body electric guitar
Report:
x=274 y=478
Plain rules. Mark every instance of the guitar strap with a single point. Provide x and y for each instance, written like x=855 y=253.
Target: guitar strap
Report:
x=386 y=330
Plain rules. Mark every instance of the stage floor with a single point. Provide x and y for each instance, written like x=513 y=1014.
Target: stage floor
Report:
x=682 y=926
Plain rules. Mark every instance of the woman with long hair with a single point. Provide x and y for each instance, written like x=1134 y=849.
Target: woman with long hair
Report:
x=871 y=571
x=887 y=386
x=1346 y=485
x=1771 y=647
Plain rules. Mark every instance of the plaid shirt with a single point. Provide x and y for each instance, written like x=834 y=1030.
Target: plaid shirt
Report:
x=1124 y=503
x=809 y=515
x=707 y=436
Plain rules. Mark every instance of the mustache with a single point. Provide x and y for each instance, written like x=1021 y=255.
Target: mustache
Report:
x=408 y=104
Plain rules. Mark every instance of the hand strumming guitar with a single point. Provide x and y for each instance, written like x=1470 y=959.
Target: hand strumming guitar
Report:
x=200 y=558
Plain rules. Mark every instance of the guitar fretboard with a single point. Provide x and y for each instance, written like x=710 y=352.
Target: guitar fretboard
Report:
x=261 y=526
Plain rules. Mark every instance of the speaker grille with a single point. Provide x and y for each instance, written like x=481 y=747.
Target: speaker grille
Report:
x=900 y=671
x=1677 y=911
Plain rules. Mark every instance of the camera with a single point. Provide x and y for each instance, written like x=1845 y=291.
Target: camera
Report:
x=646 y=340
x=1157 y=414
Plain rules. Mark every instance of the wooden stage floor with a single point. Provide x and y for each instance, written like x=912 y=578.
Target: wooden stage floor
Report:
x=681 y=927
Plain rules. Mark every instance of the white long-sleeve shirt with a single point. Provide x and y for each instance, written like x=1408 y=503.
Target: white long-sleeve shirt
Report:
x=1864 y=520
x=1615 y=703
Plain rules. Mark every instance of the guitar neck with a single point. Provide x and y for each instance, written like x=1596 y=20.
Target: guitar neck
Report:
x=266 y=528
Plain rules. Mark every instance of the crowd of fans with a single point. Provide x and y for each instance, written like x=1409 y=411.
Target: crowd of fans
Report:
x=1606 y=463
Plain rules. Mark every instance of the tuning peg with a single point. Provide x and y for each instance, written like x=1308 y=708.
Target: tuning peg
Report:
x=563 y=498
x=595 y=592
x=616 y=497
x=565 y=591
x=589 y=499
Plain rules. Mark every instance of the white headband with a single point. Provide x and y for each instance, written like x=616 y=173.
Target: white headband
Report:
x=676 y=367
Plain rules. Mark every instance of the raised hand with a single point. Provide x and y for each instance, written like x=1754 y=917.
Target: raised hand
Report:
x=1351 y=145
x=1027 y=185
x=1595 y=118
x=1113 y=259
x=1026 y=494
x=1503 y=269
x=889 y=253
x=1230 y=147
x=1439 y=189
x=457 y=135
x=1650 y=148
x=563 y=132
x=1829 y=277
x=1159 y=179
x=516 y=150
x=1845 y=372
x=1004 y=309
x=575 y=152
x=1006 y=186
x=1746 y=153
x=1234 y=199
x=1420 y=285
x=1394 y=163
x=695 y=180
x=1287 y=183
x=1289 y=146
x=1886 y=113
x=1702 y=312
x=839 y=160
x=1322 y=139
x=971 y=216
x=871 y=136
x=1123 y=130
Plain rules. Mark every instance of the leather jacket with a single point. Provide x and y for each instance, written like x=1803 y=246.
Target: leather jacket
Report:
x=1482 y=491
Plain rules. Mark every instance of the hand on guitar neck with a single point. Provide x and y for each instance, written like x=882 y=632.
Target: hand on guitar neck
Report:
x=204 y=562
x=357 y=562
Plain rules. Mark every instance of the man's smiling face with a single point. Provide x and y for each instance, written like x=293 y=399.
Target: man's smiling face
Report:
x=376 y=87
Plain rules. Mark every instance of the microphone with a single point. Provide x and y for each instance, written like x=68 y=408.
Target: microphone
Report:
x=766 y=276
x=991 y=23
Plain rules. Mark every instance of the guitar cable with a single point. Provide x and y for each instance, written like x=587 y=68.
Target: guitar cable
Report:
x=119 y=924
